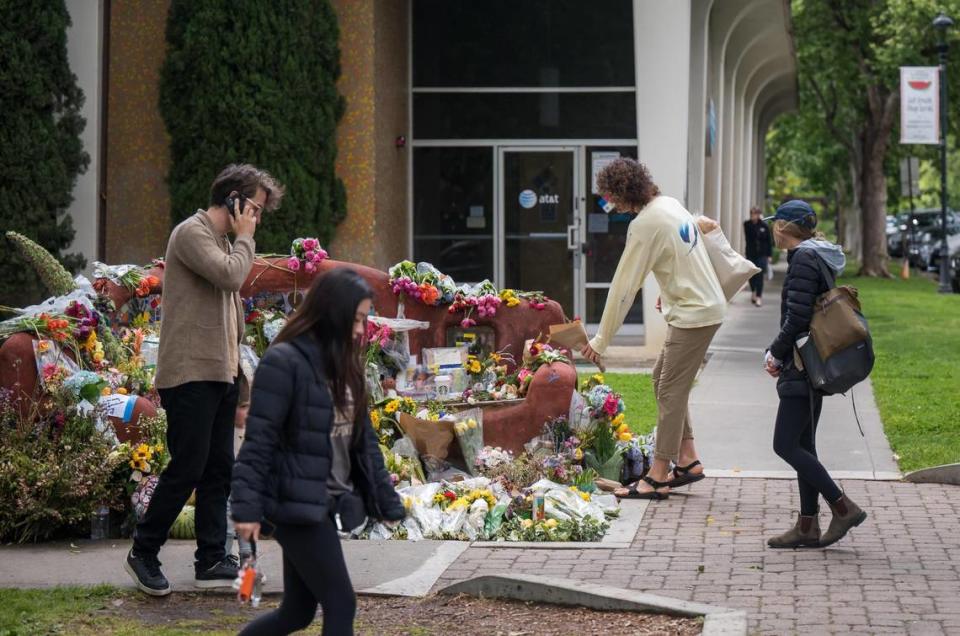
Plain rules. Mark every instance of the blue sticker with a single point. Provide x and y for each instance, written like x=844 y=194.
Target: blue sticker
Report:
x=689 y=234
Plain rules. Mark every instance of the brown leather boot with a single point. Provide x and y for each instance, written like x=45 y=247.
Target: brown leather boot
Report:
x=846 y=515
x=805 y=534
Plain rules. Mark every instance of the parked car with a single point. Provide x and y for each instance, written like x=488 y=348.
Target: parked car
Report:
x=925 y=253
x=923 y=221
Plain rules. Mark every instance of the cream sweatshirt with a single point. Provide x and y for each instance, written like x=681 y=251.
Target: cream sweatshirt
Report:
x=664 y=239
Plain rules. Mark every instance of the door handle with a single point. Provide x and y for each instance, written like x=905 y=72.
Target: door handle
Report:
x=571 y=241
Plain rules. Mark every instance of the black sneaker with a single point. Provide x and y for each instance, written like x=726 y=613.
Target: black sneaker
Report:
x=221 y=574
x=146 y=574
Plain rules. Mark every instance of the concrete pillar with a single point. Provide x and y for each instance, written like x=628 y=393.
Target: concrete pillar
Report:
x=84 y=42
x=662 y=117
x=699 y=63
x=374 y=81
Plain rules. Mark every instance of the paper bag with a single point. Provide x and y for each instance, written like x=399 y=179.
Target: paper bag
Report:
x=570 y=335
x=429 y=437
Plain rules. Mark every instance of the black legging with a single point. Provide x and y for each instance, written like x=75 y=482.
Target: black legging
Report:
x=313 y=570
x=794 y=439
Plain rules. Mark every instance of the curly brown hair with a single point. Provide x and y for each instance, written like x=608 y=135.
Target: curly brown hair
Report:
x=629 y=182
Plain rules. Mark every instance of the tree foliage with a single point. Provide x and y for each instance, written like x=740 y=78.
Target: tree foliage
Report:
x=40 y=149
x=845 y=136
x=255 y=82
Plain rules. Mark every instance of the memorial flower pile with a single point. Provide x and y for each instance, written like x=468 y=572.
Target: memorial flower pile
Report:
x=426 y=284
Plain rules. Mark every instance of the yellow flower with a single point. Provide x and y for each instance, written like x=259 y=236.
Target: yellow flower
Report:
x=392 y=406
x=472 y=423
x=618 y=420
x=598 y=378
x=526 y=523
x=375 y=419
x=550 y=523
x=106 y=391
x=98 y=357
x=578 y=454
x=122 y=391
x=513 y=301
x=43 y=346
x=625 y=437
x=475 y=367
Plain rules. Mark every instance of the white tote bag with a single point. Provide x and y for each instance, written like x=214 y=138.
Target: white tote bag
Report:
x=733 y=270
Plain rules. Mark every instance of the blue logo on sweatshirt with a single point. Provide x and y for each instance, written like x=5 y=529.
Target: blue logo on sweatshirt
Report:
x=689 y=234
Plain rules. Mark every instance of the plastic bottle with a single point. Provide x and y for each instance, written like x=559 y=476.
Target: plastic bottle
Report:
x=100 y=523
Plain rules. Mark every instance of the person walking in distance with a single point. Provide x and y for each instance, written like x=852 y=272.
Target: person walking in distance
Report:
x=756 y=234
x=795 y=431
x=311 y=460
x=197 y=367
x=663 y=238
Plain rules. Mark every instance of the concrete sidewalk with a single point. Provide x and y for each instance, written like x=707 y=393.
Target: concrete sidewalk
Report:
x=734 y=406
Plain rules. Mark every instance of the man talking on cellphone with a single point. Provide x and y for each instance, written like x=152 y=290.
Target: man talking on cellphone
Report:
x=197 y=369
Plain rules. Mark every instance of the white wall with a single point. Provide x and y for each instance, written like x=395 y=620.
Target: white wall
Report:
x=662 y=41
x=84 y=53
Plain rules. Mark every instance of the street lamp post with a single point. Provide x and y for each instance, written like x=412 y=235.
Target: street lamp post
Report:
x=941 y=23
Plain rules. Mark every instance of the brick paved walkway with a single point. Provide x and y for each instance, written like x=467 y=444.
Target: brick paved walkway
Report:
x=898 y=573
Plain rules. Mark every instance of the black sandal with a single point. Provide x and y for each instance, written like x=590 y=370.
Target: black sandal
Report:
x=633 y=493
x=682 y=475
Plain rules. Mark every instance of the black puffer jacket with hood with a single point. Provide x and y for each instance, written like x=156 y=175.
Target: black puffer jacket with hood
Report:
x=282 y=469
x=803 y=284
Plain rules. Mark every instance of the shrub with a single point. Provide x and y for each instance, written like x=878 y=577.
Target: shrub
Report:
x=252 y=81
x=40 y=149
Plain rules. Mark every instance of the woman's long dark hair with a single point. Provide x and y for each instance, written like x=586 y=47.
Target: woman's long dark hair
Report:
x=327 y=313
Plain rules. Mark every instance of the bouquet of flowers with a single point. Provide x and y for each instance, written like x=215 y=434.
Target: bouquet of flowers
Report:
x=306 y=252
x=469 y=431
x=490 y=457
x=422 y=282
x=482 y=298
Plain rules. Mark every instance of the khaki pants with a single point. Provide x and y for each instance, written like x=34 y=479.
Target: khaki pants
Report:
x=673 y=377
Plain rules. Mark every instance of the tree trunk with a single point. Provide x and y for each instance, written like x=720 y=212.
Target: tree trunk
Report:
x=873 y=203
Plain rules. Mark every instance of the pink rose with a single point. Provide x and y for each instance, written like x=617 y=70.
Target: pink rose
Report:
x=293 y=263
x=309 y=267
x=309 y=244
x=308 y=256
x=467 y=322
x=321 y=254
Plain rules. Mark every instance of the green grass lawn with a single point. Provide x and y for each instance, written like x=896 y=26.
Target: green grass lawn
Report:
x=916 y=380
x=637 y=392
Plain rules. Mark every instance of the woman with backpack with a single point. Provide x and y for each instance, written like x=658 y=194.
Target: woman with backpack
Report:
x=796 y=426
x=310 y=460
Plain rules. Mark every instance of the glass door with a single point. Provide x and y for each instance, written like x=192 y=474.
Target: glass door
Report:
x=604 y=238
x=540 y=223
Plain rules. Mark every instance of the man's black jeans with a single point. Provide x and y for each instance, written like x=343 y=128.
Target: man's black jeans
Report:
x=200 y=438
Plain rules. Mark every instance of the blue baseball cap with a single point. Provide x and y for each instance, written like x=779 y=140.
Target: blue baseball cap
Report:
x=795 y=211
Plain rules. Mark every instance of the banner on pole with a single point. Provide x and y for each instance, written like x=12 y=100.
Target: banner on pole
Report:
x=919 y=105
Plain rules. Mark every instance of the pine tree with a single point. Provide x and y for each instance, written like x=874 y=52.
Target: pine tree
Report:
x=255 y=82
x=40 y=149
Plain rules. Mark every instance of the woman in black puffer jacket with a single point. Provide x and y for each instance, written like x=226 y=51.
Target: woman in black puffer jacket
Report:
x=310 y=454
x=794 y=439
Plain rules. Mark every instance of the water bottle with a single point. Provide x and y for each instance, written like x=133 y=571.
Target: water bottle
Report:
x=100 y=524
x=249 y=582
